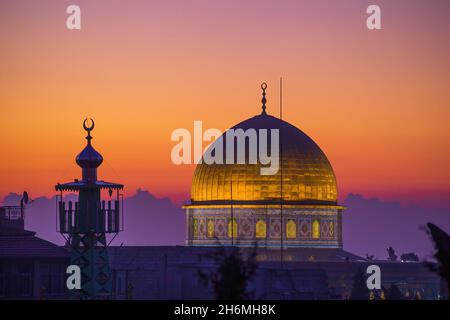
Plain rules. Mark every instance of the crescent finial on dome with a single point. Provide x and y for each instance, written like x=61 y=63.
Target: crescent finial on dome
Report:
x=264 y=100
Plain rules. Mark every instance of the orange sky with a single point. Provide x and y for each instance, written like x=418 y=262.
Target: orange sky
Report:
x=377 y=102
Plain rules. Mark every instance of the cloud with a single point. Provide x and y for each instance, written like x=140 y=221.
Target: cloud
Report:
x=147 y=220
x=152 y=221
x=372 y=225
x=369 y=225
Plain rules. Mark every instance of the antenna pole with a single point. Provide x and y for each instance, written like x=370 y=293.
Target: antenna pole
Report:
x=281 y=177
x=281 y=203
x=232 y=213
x=281 y=98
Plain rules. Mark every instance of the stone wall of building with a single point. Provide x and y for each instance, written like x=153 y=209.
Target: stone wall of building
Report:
x=172 y=272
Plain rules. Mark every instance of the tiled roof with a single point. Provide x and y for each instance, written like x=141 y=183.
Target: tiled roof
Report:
x=28 y=246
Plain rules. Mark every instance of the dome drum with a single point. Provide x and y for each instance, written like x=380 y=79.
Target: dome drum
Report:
x=303 y=226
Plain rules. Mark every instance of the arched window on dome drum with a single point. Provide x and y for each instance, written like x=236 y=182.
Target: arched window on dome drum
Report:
x=195 y=228
x=316 y=229
x=261 y=229
x=291 y=229
x=210 y=228
x=232 y=228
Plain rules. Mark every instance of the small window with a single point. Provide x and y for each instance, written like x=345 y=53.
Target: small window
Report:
x=316 y=229
x=232 y=228
x=291 y=229
x=210 y=228
x=195 y=228
x=261 y=229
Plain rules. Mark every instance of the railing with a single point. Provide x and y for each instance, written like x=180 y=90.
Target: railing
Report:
x=12 y=212
x=105 y=218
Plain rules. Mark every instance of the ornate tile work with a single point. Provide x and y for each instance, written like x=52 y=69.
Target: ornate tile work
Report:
x=246 y=228
x=331 y=230
x=201 y=228
x=275 y=228
x=327 y=230
x=304 y=228
x=221 y=228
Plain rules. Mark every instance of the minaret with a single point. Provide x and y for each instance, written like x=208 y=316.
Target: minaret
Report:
x=85 y=223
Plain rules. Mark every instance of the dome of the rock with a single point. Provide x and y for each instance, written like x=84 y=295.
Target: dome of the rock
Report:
x=234 y=203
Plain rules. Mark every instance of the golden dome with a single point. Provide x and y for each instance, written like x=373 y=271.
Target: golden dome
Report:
x=308 y=177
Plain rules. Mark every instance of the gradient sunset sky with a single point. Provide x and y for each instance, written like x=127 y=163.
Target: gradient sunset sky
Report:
x=376 y=102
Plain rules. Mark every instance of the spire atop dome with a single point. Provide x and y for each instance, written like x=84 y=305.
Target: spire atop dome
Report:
x=89 y=159
x=264 y=100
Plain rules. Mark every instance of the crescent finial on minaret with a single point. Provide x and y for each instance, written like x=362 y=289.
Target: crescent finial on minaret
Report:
x=88 y=129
